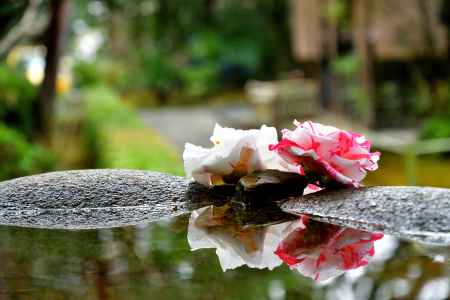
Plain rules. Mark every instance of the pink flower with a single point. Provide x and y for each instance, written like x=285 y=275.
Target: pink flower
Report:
x=327 y=151
x=321 y=251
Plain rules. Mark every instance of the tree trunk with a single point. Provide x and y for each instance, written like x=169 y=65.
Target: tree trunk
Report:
x=28 y=26
x=427 y=28
x=53 y=43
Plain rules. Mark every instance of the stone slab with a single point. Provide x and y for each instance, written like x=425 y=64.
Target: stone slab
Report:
x=110 y=198
x=419 y=212
x=97 y=198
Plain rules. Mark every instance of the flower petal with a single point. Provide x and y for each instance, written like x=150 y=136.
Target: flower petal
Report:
x=343 y=155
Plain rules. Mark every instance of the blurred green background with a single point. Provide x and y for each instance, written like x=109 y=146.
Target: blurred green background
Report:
x=124 y=84
x=119 y=84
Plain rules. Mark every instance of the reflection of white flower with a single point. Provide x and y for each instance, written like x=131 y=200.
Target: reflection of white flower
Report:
x=236 y=246
x=235 y=154
x=317 y=250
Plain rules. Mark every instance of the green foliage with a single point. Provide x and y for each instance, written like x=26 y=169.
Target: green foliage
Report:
x=157 y=71
x=17 y=109
x=442 y=97
x=197 y=48
x=100 y=72
x=218 y=59
x=421 y=97
x=391 y=97
x=200 y=80
x=19 y=157
x=223 y=47
x=346 y=65
x=338 y=12
x=116 y=138
x=103 y=112
x=140 y=148
x=17 y=97
x=436 y=127
x=104 y=109
x=87 y=74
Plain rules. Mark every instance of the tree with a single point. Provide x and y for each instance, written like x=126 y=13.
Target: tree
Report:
x=59 y=10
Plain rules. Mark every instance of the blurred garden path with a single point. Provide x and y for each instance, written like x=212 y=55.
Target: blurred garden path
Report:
x=195 y=124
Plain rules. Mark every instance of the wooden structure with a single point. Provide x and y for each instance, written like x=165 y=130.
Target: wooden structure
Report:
x=376 y=31
x=397 y=29
x=275 y=101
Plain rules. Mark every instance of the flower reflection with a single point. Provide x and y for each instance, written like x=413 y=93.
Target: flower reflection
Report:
x=322 y=251
x=317 y=250
x=236 y=245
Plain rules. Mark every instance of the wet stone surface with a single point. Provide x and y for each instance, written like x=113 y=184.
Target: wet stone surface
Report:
x=156 y=259
x=97 y=198
x=112 y=198
x=416 y=212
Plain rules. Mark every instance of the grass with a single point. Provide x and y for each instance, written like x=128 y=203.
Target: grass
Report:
x=141 y=148
x=116 y=137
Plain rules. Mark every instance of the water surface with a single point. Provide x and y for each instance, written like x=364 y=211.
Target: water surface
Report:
x=155 y=261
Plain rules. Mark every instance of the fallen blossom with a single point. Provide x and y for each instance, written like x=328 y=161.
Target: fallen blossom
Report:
x=329 y=152
x=235 y=153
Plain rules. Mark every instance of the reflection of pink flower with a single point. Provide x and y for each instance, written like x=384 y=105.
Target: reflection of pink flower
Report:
x=326 y=150
x=321 y=250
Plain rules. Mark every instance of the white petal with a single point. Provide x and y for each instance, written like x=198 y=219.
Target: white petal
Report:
x=201 y=164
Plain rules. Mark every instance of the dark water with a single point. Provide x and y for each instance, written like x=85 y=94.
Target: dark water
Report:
x=155 y=261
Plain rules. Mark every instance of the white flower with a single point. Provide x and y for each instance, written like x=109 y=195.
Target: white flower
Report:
x=235 y=154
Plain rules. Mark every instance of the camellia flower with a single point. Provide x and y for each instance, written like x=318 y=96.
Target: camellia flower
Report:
x=235 y=154
x=336 y=154
x=321 y=251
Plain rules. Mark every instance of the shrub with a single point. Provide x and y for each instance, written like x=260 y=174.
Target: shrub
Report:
x=215 y=64
x=158 y=73
x=17 y=97
x=436 y=127
x=107 y=72
x=19 y=157
x=140 y=148
x=103 y=112
x=200 y=80
x=104 y=109
x=117 y=139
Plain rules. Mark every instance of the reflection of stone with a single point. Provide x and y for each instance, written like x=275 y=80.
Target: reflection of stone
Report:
x=419 y=213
